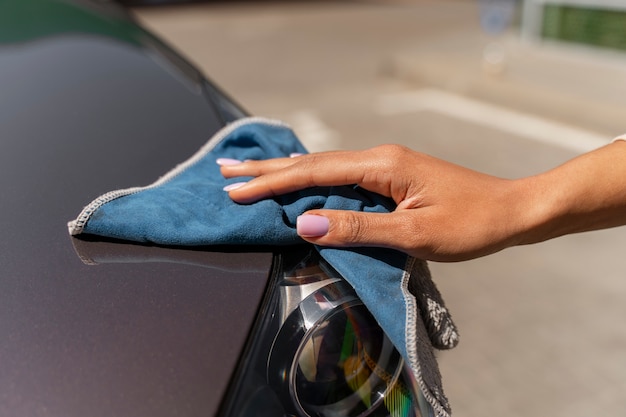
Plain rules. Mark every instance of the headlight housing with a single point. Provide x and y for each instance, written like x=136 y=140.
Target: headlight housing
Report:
x=317 y=351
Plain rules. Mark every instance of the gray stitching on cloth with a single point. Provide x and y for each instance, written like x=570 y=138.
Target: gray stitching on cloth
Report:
x=76 y=226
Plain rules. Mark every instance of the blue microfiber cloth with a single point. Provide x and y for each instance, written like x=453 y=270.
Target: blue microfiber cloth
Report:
x=188 y=207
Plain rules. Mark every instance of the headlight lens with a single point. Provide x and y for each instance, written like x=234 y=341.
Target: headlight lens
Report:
x=319 y=352
x=346 y=366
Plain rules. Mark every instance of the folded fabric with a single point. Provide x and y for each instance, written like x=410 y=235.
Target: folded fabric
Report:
x=188 y=206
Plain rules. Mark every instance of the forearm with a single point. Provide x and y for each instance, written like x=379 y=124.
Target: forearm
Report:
x=586 y=193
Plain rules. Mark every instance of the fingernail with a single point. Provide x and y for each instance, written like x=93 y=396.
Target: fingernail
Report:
x=233 y=186
x=227 y=161
x=310 y=225
x=295 y=155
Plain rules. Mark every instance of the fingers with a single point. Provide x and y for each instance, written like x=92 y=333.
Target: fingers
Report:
x=374 y=169
x=336 y=228
x=284 y=175
x=340 y=228
x=231 y=168
x=417 y=232
x=234 y=168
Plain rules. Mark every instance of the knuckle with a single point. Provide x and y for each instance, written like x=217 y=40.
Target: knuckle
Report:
x=306 y=169
x=390 y=155
x=415 y=237
x=352 y=228
x=392 y=150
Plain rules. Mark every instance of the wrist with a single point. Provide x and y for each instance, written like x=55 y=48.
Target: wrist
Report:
x=544 y=209
x=586 y=193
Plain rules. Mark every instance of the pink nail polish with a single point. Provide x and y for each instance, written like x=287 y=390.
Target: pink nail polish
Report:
x=233 y=186
x=310 y=225
x=227 y=161
x=295 y=155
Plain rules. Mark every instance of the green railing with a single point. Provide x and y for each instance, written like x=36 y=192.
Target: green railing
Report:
x=589 y=26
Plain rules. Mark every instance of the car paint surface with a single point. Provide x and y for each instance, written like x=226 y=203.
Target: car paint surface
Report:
x=90 y=102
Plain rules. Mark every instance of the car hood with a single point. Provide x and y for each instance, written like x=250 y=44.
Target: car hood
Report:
x=91 y=102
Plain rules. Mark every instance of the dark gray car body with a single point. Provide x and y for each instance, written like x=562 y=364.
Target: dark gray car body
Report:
x=90 y=102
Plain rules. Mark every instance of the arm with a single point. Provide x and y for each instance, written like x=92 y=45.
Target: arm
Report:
x=586 y=193
x=446 y=212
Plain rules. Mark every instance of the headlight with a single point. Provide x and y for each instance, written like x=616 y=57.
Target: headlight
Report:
x=317 y=351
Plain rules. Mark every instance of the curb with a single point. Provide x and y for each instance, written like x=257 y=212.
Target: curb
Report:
x=572 y=85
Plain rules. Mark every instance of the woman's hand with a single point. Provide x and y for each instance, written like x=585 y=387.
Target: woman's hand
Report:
x=444 y=212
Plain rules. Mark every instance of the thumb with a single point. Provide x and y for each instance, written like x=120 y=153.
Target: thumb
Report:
x=350 y=228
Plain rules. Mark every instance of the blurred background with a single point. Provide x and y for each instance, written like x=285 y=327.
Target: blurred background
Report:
x=505 y=87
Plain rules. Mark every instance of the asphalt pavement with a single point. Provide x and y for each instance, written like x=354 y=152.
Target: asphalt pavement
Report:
x=542 y=330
